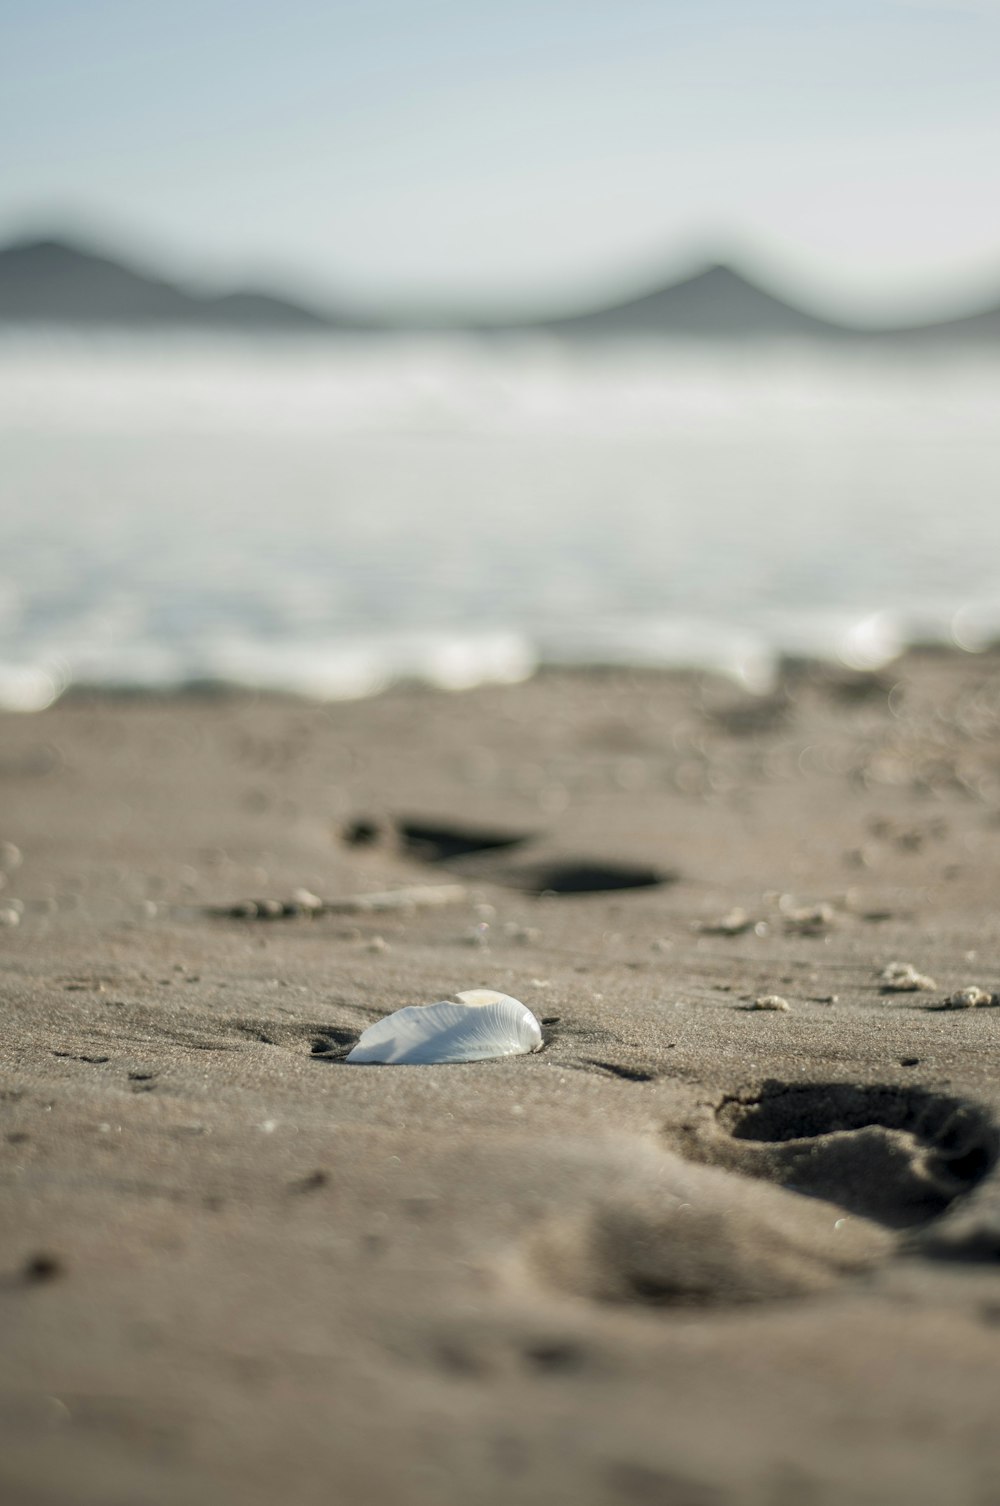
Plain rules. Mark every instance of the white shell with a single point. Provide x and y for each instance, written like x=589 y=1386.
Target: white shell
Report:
x=472 y=1027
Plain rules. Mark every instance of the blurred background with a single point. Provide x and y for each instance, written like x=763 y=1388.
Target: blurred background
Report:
x=346 y=342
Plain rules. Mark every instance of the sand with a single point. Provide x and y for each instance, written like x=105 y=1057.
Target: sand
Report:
x=692 y=1252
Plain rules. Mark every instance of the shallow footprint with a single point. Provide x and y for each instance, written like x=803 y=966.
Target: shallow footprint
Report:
x=896 y=1154
x=700 y=1238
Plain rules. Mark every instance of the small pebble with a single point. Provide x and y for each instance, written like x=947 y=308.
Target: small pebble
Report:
x=306 y=899
x=378 y=944
x=903 y=978
x=734 y=924
x=771 y=1001
x=9 y=916
x=812 y=920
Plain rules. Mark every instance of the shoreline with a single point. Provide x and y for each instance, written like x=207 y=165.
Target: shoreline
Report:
x=691 y=1250
x=870 y=650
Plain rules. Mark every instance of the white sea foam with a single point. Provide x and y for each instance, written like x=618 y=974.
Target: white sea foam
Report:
x=327 y=518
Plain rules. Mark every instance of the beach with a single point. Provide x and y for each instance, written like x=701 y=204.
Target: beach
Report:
x=693 y=1251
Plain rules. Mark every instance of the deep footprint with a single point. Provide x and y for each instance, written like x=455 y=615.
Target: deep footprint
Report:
x=579 y=876
x=445 y=842
x=896 y=1154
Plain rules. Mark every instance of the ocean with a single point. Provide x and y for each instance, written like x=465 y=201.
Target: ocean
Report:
x=326 y=517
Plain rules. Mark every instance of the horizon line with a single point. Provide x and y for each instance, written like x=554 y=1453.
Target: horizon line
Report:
x=606 y=297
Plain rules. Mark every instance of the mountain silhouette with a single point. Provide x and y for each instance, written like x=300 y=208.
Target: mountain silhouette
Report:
x=716 y=303
x=720 y=303
x=55 y=282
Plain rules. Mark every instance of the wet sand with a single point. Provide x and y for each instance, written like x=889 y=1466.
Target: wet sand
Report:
x=691 y=1252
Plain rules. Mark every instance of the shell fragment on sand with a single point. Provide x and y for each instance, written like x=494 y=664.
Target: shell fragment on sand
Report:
x=474 y=1026
x=415 y=897
x=810 y=920
x=903 y=978
x=773 y=1002
x=735 y=923
x=972 y=997
x=304 y=902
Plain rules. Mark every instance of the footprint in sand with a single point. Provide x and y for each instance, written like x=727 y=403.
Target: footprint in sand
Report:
x=906 y=1157
x=903 y=1161
x=482 y=853
x=430 y=840
x=649 y=1229
x=571 y=875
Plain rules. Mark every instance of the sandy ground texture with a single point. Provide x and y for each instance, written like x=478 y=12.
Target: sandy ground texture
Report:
x=692 y=1252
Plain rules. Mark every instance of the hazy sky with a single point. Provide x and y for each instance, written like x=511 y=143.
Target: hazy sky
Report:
x=474 y=151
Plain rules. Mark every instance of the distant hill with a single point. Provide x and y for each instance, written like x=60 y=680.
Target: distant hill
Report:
x=720 y=303
x=717 y=303
x=55 y=282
